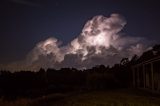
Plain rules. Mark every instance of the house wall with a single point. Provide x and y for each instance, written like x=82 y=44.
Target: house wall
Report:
x=147 y=75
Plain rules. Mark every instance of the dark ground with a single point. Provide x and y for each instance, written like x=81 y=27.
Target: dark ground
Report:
x=120 y=97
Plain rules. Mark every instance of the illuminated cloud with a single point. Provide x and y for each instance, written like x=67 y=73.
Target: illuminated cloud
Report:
x=45 y=48
x=100 y=42
x=99 y=32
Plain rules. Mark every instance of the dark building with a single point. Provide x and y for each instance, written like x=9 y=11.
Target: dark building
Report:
x=146 y=74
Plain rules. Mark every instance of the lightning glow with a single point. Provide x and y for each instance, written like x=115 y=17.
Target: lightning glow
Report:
x=100 y=42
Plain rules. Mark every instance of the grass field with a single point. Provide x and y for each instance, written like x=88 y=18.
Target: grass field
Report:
x=94 y=98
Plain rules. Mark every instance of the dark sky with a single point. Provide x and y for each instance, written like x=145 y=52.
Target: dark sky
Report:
x=23 y=23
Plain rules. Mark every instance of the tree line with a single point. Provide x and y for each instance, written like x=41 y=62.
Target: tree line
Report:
x=43 y=82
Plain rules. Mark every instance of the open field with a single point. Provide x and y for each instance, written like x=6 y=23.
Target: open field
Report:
x=94 y=98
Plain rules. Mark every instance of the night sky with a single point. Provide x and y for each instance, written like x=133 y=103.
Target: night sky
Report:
x=23 y=23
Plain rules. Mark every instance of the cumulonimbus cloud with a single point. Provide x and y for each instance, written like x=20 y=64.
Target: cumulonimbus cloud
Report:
x=100 y=42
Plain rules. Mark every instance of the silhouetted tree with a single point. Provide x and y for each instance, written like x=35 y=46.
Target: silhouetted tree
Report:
x=124 y=61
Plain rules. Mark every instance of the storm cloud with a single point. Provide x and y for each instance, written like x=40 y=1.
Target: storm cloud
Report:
x=100 y=42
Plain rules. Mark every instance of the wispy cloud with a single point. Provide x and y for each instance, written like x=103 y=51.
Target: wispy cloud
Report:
x=26 y=2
